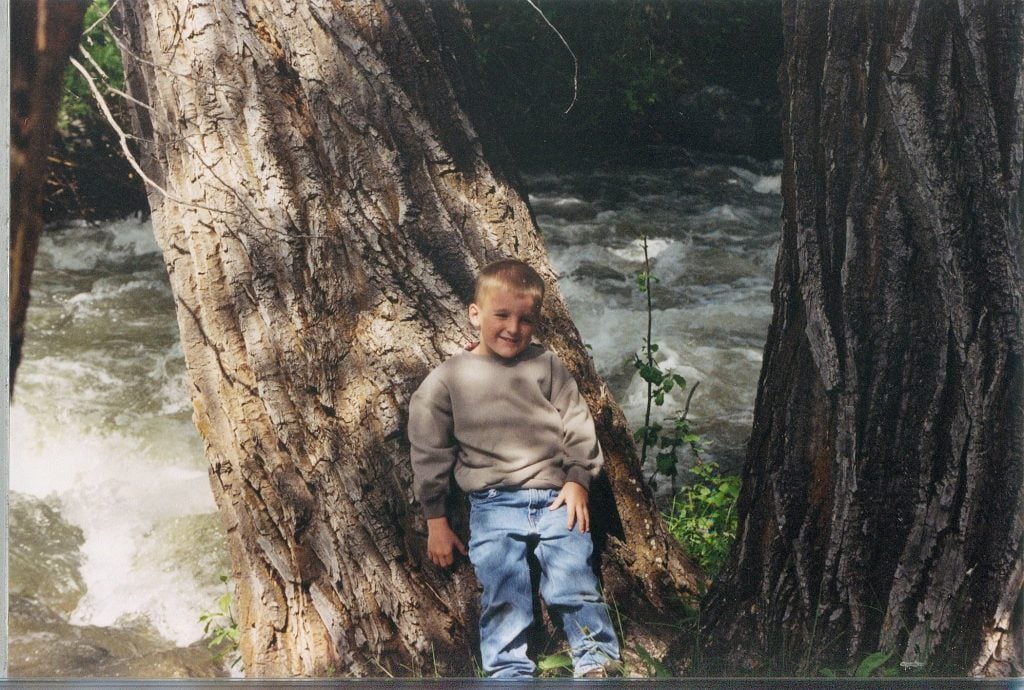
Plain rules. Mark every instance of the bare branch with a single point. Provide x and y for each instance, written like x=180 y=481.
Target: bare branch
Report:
x=101 y=19
x=92 y=61
x=130 y=99
x=575 y=62
x=693 y=389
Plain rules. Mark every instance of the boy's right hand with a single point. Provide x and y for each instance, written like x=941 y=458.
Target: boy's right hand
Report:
x=442 y=542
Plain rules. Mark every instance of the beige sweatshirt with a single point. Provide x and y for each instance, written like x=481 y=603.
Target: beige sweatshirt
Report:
x=500 y=423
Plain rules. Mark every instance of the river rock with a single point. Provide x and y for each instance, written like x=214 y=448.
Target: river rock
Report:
x=44 y=554
x=43 y=644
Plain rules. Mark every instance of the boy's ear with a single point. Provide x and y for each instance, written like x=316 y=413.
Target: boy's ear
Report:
x=474 y=315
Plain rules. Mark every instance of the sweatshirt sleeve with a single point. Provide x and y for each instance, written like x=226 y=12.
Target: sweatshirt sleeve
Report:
x=583 y=458
x=433 y=445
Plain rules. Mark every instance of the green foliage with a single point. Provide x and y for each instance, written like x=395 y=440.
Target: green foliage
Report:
x=77 y=102
x=636 y=61
x=221 y=627
x=703 y=515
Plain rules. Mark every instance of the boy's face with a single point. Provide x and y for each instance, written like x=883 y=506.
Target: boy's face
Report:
x=506 y=320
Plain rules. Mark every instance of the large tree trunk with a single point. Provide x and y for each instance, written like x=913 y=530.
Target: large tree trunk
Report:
x=325 y=201
x=43 y=35
x=881 y=506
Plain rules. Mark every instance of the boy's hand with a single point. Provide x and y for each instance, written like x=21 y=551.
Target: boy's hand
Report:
x=442 y=542
x=574 y=496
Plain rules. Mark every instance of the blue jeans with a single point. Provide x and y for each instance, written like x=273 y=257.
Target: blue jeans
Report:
x=503 y=525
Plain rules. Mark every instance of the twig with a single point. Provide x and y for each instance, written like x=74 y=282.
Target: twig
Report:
x=100 y=20
x=130 y=99
x=693 y=389
x=92 y=61
x=575 y=62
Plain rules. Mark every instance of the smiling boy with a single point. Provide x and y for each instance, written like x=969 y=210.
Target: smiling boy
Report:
x=508 y=418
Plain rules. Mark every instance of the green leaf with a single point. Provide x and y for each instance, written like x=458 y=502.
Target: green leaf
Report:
x=224 y=603
x=871 y=663
x=651 y=373
x=554 y=662
x=667 y=464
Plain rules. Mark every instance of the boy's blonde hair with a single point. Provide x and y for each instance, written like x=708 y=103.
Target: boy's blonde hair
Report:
x=511 y=274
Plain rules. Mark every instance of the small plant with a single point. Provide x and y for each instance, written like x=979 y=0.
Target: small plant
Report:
x=871 y=665
x=554 y=665
x=703 y=515
x=222 y=628
x=675 y=432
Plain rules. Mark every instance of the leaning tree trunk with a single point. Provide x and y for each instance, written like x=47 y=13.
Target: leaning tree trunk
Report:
x=323 y=199
x=43 y=35
x=882 y=497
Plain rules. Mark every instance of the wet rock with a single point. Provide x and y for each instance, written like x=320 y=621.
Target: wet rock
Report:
x=194 y=661
x=43 y=644
x=196 y=540
x=590 y=269
x=44 y=554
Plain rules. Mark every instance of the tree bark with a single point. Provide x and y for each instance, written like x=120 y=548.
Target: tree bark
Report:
x=881 y=506
x=43 y=35
x=324 y=188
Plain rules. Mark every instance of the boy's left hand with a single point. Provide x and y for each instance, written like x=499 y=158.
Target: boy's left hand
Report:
x=574 y=496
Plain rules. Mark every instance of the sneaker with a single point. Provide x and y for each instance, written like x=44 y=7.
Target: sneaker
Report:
x=609 y=670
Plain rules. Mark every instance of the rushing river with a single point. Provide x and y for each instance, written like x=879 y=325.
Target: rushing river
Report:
x=115 y=546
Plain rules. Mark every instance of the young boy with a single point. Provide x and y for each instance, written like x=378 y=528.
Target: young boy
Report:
x=508 y=417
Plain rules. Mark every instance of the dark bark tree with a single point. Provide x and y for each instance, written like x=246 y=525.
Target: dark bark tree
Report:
x=43 y=35
x=324 y=186
x=881 y=506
